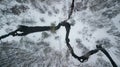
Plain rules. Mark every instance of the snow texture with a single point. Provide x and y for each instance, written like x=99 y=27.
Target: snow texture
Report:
x=93 y=22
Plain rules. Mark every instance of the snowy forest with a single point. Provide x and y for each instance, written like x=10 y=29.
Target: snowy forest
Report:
x=59 y=33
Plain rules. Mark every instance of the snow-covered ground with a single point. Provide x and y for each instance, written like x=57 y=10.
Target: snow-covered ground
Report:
x=93 y=21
